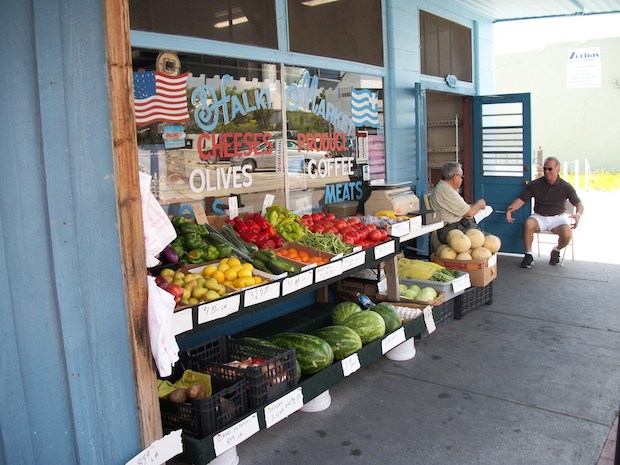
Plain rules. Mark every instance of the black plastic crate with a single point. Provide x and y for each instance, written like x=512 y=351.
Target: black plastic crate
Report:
x=471 y=299
x=265 y=382
x=442 y=314
x=202 y=417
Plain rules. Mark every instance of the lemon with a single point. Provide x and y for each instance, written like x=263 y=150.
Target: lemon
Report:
x=244 y=273
x=209 y=270
x=224 y=261
x=233 y=261
x=238 y=283
x=236 y=267
x=219 y=276
x=231 y=274
x=228 y=283
x=248 y=266
x=258 y=280
x=223 y=267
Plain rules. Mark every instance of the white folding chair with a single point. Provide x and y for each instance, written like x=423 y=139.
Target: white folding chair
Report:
x=569 y=209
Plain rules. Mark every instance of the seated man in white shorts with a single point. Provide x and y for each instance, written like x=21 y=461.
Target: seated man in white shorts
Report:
x=550 y=193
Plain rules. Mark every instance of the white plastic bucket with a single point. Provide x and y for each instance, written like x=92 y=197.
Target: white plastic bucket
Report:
x=403 y=351
x=320 y=402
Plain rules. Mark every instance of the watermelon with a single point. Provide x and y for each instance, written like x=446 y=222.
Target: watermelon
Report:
x=368 y=324
x=266 y=343
x=343 y=310
x=343 y=340
x=313 y=353
x=390 y=316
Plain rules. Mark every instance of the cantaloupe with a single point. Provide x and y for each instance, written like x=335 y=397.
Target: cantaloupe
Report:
x=493 y=243
x=481 y=253
x=476 y=237
x=464 y=256
x=453 y=233
x=447 y=253
x=459 y=243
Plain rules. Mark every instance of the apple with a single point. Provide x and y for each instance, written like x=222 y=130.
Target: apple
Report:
x=162 y=282
x=176 y=290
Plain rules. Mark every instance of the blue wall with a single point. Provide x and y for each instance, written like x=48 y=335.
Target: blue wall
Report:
x=67 y=377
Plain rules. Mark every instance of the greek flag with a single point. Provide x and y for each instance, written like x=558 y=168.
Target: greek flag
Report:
x=365 y=108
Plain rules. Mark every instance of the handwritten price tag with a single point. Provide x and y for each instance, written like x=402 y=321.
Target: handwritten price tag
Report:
x=384 y=249
x=257 y=295
x=233 y=207
x=199 y=214
x=160 y=451
x=236 y=434
x=327 y=271
x=299 y=281
x=399 y=229
x=182 y=321
x=218 y=308
x=392 y=340
x=461 y=283
x=429 y=320
x=283 y=407
x=350 y=364
x=415 y=223
x=353 y=261
x=268 y=202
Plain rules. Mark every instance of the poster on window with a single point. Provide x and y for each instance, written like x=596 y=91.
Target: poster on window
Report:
x=583 y=68
x=376 y=156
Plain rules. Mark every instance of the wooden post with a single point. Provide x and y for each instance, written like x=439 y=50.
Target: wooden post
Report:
x=391 y=273
x=124 y=139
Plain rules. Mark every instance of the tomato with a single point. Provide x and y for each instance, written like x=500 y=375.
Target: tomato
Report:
x=340 y=224
x=316 y=217
x=321 y=214
x=363 y=233
x=371 y=226
x=331 y=229
x=330 y=216
x=307 y=217
x=304 y=222
x=374 y=235
x=383 y=233
x=318 y=229
x=352 y=220
x=350 y=238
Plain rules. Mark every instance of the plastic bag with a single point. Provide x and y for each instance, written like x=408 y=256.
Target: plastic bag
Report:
x=417 y=269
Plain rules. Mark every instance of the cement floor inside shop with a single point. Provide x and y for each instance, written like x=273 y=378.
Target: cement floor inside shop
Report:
x=533 y=378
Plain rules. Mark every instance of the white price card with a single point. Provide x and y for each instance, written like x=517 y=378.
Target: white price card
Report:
x=233 y=207
x=384 y=249
x=260 y=294
x=353 y=261
x=160 y=451
x=218 y=308
x=236 y=434
x=283 y=407
x=350 y=364
x=329 y=270
x=392 y=340
x=268 y=202
x=461 y=283
x=429 y=320
x=415 y=223
x=492 y=261
x=299 y=281
x=399 y=229
x=182 y=321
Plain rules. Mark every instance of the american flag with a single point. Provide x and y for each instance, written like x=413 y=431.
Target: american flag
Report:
x=160 y=97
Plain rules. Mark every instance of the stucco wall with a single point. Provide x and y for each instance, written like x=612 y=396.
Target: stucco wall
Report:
x=571 y=124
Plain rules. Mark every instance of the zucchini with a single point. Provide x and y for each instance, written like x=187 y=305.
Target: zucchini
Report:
x=260 y=265
x=274 y=268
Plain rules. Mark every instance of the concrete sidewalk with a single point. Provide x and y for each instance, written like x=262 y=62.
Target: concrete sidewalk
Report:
x=533 y=378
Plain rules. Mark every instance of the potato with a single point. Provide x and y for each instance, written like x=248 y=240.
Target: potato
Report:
x=179 y=395
x=196 y=392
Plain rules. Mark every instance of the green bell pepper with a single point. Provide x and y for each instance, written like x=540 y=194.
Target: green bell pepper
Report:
x=224 y=251
x=193 y=241
x=210 y=254
x=187 y=228
x=195 y=256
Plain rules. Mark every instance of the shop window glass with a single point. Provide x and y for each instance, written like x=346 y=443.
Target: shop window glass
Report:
x=446 y=48
x=344 y=29
x=230 y=135
x=251 y=22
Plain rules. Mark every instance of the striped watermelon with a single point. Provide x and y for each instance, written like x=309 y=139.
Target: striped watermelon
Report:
x=313 y=353
x=266 y=343
x=343 y=340
x=343 y=310
x=368 y=324
x=390 y=316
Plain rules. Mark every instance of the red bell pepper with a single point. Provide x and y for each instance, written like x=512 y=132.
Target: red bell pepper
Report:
x=266 y=244
x=248 y=236
x=271 y=230
x=261 y=222
x=251 y=224
x=262 y=236
x=277 y=239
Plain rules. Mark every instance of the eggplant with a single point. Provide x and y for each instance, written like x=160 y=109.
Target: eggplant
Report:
x=170 y=255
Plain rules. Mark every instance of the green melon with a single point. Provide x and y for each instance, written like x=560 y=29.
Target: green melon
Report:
x=390 y=316
x=368 y=324
x=313 y=353
x=343 y=340
x=343 y=310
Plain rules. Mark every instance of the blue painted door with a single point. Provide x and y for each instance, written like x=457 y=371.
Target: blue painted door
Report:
x=502 y=162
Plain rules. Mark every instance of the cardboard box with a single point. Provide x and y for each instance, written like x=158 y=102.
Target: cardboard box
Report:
x=481 y=272
x=347 y=289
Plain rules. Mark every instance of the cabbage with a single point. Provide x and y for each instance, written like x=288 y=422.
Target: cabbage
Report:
x=427 y=294
x=402 y=288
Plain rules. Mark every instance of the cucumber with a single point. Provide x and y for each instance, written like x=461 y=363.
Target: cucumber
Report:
x=260 y=265
x=274 y=268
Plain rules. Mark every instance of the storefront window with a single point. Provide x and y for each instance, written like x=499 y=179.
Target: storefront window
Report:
x=237 y=21
x=345 y=29
x=228 y=135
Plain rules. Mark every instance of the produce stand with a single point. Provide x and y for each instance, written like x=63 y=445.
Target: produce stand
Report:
x=209 y=319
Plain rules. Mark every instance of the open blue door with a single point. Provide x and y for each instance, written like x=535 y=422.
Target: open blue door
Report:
x=502 y=162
